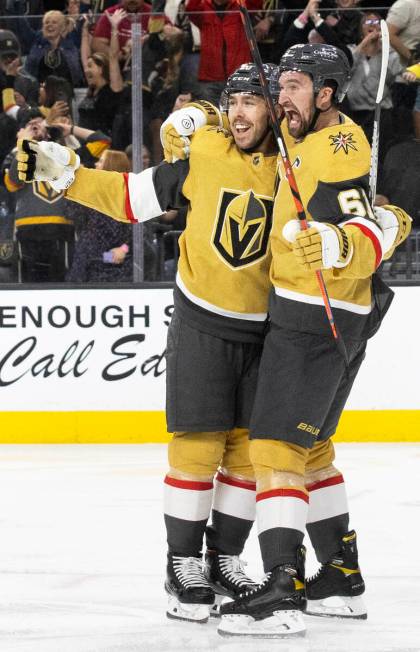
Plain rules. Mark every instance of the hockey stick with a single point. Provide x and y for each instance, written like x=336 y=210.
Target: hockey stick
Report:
x=252 y=42
x=374 y=157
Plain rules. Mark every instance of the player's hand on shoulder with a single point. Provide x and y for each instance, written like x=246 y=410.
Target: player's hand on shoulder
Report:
x=321 y=246
x=395 y=224
x=46 y=161
x=175 y=132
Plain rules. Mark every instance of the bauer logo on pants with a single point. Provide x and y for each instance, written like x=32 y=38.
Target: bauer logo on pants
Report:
x=242 y=228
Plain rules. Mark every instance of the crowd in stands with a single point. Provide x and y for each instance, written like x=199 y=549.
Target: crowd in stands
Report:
x=65 y=75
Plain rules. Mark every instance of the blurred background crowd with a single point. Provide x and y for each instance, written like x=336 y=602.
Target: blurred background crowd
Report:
x=65 y=75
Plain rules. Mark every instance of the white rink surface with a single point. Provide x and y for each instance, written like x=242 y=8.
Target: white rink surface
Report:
x=82 y=554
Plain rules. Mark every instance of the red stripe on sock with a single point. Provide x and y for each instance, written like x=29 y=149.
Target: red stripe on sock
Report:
x=329 y=482
x=283 y=493
x=372 y=237
x=128 y=210
x=192 y=485
x=242 y=484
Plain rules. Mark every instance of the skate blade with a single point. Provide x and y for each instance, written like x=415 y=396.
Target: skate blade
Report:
x=282 y=624
x=337 y=607
x=193 y=613
x=215 y=607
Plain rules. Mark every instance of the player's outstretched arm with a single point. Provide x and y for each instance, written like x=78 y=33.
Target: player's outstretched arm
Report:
x=124 y=197
x=177 y=129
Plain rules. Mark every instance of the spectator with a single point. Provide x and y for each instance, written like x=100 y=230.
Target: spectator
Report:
x=310 y=26
x=102 y=34
x=269 y=29
x=345 y=21
x=145 y=155
x=103 y=245
x=88 y=144
x=404 y=31
x=361 y=96
x=224 y=46
x=164 y=89
x=15 y=9
x=191 y=60
x=44 y=228
x=11 y=74
x=97 y=110
x=162 y=52
x=52 y=51
x=74 y=9
x=55 y=97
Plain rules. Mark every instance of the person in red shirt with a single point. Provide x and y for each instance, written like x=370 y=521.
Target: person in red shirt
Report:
x=102 y=33
x=223 y=42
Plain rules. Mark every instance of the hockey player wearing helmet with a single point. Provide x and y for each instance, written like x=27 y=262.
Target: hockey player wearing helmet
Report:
x=304 y=380
x=242 y=91
x=217 y=329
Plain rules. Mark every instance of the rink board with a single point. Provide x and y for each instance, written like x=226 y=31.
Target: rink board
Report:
x=88 y=366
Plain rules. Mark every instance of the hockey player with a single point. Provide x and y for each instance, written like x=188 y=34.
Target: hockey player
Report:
x=216 y=334
x=304 y=380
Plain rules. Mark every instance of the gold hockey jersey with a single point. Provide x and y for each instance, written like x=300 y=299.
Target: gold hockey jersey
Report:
x=222 y=283
x=331 y=167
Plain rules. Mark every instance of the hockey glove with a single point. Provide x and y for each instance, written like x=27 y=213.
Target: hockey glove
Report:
x=46 y=161
x=321 y=246
x=396 y=227
x=175 y=131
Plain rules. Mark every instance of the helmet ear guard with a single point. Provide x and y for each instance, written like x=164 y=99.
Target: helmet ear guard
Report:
x=323 y=63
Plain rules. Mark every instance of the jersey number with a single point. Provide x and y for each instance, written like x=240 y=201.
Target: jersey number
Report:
x=352 y=201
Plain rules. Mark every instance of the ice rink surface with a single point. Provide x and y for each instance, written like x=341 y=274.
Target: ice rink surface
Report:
x=82 y=558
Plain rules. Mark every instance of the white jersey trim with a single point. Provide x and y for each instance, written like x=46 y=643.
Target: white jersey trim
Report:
x=142 y=195
x=257 y=316
x=317 y=301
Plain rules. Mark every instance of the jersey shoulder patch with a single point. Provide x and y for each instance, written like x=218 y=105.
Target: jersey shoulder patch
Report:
x=345 y=153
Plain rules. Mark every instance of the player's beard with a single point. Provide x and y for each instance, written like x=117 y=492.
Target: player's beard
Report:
x=297 y=124
x=258 y=140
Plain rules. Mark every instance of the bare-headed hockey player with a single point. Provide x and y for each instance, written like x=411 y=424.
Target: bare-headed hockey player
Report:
x=304 y=380
x=217 y=329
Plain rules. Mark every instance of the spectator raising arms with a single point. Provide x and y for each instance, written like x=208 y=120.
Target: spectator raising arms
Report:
x=105 y=84
x=102 y=34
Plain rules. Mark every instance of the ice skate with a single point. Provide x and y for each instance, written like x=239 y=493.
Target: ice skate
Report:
x=336 y=588
x=273 y=609
x=190 y=595
x=226 y=576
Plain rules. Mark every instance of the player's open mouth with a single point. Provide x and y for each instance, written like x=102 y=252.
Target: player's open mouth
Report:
x=293 y=119
x=240 y=127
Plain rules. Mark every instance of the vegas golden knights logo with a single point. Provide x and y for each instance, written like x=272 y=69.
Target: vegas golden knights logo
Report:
x=243 y=226
x=44 y=191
